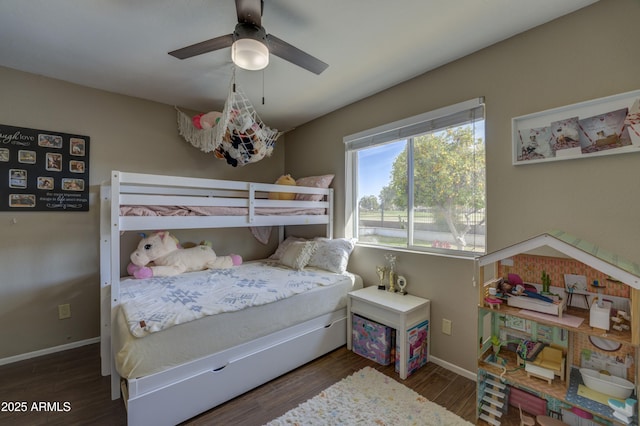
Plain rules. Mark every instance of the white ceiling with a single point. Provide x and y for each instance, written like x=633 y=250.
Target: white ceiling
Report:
x=121 y=46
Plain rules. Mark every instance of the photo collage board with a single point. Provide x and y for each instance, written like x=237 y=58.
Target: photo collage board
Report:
x=43 y=170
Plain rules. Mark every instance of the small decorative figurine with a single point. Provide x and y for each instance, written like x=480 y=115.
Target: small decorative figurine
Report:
x=402 y=284
x=391 y=258
x=381 y=271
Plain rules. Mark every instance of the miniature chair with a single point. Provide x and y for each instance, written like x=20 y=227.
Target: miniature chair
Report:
x=584 y=294
x=525 y=420
x=555 y=414
x=551 y=359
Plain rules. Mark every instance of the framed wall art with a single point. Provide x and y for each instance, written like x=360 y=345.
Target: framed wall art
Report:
x=604 y=126
x=42 y=170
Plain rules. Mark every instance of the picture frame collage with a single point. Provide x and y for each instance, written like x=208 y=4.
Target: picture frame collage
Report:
x=43 y=170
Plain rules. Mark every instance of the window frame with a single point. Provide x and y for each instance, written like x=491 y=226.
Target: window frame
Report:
x=405 y=129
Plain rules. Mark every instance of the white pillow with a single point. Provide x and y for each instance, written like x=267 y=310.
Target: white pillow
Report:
x=283 y=246
x=332 y=255
x=297 y=254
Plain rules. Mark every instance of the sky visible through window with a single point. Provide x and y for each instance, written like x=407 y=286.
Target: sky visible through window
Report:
x=374 y=167
x=374 y=164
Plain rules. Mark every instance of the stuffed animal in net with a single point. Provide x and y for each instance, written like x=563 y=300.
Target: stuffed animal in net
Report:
x=242 y=138
x=160 y=255
x=207 y=120
x=236 y=135
x=245 y=139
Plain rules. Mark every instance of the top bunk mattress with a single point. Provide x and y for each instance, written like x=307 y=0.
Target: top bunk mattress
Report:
x=193 y=339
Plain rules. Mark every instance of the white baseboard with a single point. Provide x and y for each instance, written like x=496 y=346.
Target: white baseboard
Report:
x=451 y=367
x=48 y=351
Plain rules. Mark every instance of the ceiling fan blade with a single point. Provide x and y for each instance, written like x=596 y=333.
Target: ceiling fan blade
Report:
x=250 y=12
x=294 y=55
x=203 y=47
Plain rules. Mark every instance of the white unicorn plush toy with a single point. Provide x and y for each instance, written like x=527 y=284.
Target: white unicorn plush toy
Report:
x=169 y=258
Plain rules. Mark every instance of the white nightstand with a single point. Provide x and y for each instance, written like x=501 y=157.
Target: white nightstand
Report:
x=391 y=309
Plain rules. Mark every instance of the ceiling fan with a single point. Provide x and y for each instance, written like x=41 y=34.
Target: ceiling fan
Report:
x=250 y=44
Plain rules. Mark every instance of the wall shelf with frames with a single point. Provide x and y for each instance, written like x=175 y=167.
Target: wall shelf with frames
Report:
x=604 y=126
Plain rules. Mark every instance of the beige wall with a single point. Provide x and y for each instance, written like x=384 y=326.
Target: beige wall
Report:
x=47 y=259
x=589 y=54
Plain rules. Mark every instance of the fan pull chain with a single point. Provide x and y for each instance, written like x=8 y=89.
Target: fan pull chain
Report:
x=233 y=79
x=263 y=87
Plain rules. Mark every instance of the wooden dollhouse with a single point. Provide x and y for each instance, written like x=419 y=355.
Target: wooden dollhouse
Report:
x=569 y=343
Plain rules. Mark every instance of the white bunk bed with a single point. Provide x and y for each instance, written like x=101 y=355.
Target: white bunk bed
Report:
x=185 y=390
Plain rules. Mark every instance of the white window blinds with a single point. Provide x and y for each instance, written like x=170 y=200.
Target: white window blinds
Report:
x=463 y=112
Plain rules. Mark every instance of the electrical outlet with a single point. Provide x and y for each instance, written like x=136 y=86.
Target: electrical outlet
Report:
x=64 y=311
x=446 y=326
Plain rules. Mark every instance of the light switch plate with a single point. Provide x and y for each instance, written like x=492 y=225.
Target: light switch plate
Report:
x=446 y=326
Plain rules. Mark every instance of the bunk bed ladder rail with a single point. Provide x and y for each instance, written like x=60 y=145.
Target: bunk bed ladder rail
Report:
x=329 y=231
x=105 y=281
x=114 y=276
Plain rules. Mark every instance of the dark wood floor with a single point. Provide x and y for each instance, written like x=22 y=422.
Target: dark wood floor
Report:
x=73 y=377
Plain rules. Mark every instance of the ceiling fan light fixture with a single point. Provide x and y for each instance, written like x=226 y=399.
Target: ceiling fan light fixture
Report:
x=250 y=54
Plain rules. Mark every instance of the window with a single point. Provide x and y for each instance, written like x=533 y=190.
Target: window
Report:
x=419 y=183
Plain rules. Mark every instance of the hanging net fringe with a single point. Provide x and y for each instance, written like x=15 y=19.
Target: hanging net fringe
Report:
x=240 y=137
x=204 y=139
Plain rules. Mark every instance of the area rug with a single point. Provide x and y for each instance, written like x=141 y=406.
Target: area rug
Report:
x=368 y=397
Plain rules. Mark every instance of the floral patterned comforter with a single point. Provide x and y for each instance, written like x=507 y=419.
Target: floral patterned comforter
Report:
x=154 y=304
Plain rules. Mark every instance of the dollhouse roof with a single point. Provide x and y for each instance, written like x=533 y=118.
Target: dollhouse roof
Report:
x=576 y=248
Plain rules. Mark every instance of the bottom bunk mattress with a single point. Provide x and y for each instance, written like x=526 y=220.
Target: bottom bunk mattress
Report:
x=315 y=292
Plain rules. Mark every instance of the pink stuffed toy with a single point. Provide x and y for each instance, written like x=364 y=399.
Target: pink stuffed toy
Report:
x=160 y=255
x=206 y=121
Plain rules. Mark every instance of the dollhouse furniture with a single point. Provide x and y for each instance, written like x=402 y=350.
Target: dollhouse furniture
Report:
x=571 y=293
x=540 y=372
x=548 y=364
x=599 y=314
x=398 y=311
x=524 y=419
x=551 y=359
x=576 y=285
x=537 y=305
x=567 y=339
x=493 y=302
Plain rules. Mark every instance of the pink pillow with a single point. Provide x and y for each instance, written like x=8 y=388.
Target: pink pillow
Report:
x=314 y=181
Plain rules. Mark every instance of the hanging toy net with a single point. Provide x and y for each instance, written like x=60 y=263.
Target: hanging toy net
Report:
x=239 y=137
